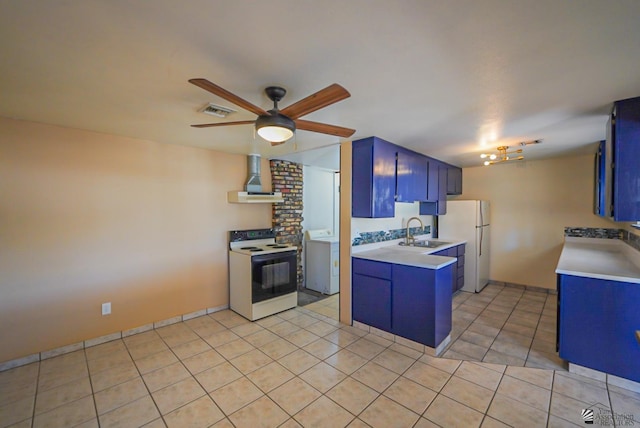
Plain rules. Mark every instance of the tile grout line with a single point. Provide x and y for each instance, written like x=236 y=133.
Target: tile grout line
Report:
x=141 y=378
x=553 y=381
x=35 y=396
x=93 y=394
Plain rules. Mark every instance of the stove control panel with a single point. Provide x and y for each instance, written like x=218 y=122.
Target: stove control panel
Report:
x=250 y=235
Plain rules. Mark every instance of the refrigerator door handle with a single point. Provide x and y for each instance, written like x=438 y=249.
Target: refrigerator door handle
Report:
x=481 y=233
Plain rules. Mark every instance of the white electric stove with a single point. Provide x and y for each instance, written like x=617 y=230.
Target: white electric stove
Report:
x=262 y=274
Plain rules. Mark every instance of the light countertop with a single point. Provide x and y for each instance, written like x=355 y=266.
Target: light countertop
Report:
x=609 y=259
x=391 y=252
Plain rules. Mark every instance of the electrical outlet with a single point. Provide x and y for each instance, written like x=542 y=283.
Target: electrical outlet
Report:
x=106 y=308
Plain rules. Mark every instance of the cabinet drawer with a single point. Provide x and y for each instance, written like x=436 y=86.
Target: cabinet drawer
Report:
x=371 y=268
x=460 y=261
x=461 y=249
x=460 y=270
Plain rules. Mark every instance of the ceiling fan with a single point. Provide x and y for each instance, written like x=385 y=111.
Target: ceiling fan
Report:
x=277 y=126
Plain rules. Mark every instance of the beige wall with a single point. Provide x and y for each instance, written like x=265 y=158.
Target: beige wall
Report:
x=531 y=203
x=87 y=218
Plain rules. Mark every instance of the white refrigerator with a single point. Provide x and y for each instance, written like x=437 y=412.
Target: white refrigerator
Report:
x=469 y=220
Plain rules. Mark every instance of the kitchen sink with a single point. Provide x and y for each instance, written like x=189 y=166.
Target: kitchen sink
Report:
x=425 y=244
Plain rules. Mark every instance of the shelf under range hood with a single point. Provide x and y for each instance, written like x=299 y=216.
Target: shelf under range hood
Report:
x=243 y=197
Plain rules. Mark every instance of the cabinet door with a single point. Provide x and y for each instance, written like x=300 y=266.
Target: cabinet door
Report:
x=433 y=180
x=454 y=180
x=442 y=189
x=371 y=301
x=421 y=308
x=597 y=323
x=599 y=202
x=436 y=189
x=373 y=178
x=626 y=152
x=413 y=304
x=411 y=176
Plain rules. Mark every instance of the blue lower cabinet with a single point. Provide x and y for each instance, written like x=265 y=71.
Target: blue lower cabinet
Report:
x=411 y=302
x=457 y=281
x=421 y=308
x=597 y=322
x=371 y=293
x=372 y=301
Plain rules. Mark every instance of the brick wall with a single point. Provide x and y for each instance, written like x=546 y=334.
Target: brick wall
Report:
x=286 y=177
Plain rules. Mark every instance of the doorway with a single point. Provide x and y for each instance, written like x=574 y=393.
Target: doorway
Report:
x=321 y=213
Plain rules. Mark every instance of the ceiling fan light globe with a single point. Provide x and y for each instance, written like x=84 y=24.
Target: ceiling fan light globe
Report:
x=275 y=128
x=275 y=134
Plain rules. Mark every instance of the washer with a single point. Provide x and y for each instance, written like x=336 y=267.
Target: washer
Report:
x=322 y=261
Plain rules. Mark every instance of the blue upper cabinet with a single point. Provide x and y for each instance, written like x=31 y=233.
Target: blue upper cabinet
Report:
x=599 y=201
x=454 y=180
x=433 y=192
x=384 y=173
x=623 y=148
x=437 y=189
x=373 y=178
x=411 y=176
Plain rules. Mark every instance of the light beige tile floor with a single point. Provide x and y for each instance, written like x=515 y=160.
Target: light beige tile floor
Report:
x=297 y=368
x=328 y=306
x=505 y=325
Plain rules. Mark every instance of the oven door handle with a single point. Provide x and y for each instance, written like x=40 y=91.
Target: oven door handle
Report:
x=271 y=256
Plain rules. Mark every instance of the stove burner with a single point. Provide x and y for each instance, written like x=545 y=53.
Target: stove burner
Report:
x=273 y=245
x=278 y=246
x=250 y=248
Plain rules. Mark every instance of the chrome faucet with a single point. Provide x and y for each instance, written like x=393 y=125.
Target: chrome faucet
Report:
x=409 y=239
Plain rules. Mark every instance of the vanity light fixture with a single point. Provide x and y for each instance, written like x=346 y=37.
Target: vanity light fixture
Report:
x=503 y=154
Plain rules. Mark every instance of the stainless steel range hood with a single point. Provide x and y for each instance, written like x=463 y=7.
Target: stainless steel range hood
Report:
x=253 y=193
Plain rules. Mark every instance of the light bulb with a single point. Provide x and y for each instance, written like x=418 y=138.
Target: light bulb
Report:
x=487 y=163
x=492 y=157
x=484 y=155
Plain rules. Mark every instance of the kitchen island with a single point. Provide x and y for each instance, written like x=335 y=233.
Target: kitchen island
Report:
x=598 y=292
x=405 y=291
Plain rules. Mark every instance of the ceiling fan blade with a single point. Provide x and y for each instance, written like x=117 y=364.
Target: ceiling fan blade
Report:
x=324 y=97
x=223 y=93
x=209 y=125
x=324 y=128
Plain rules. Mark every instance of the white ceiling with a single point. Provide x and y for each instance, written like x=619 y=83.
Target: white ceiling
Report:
x=440 y=77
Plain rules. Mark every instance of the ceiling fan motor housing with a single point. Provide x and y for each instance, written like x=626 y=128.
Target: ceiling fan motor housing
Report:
x=275 y=119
